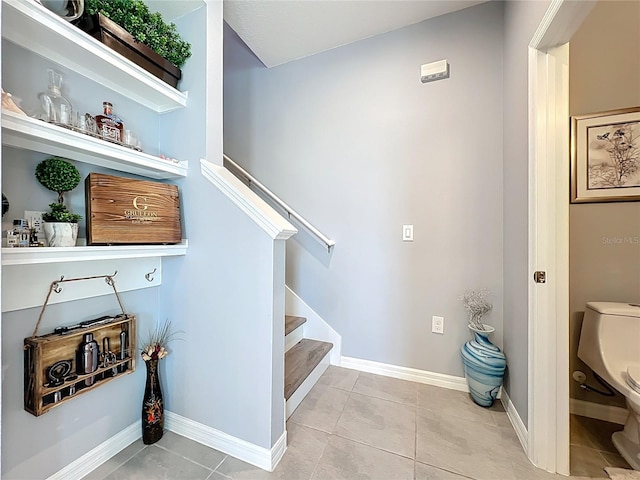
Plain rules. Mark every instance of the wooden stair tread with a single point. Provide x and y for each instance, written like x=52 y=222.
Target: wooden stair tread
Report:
x=300 y=361
x=291 y=322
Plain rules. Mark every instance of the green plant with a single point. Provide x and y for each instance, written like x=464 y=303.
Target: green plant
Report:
x=60 y=176
x=60 y=213
x=146 y=27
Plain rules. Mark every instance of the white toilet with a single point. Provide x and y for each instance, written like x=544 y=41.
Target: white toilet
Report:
x=610 y=345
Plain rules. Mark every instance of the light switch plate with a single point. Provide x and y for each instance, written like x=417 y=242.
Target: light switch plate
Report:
x=407 y=233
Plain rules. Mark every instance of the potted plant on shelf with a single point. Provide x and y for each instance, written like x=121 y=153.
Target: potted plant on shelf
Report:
x=60 y=225
x=484 y=363
x=131 y=29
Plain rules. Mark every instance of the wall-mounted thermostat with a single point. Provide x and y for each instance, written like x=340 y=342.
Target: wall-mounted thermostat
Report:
x=430 y=72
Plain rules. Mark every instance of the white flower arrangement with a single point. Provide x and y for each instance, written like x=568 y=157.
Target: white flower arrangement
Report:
x=155 y=347
x=477 y=305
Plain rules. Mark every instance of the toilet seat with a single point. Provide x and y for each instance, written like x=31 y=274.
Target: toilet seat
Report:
x=633 y=377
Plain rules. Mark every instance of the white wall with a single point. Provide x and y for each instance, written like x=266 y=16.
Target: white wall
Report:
x=604 y=255
x=521 y=19
x=356 y=143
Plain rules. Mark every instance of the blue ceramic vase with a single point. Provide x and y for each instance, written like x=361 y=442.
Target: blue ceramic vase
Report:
x=484 y=366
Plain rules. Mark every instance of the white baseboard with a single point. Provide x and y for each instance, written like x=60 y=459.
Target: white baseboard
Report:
x=516 y=421
x=404 y=373
x=306 y=386
x=315 y=327
x=91 y=460
x=608 y=413
x=261 y=457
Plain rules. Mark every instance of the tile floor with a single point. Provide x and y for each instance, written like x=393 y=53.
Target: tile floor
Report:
x=358 y=426
x=591 y=447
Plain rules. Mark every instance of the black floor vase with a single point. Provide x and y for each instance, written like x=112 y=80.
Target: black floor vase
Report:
x=152 y=406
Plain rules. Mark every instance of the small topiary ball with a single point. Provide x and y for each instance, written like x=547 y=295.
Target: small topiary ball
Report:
x=58 y=175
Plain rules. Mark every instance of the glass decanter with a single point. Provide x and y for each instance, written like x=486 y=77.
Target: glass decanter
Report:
x=57 y=109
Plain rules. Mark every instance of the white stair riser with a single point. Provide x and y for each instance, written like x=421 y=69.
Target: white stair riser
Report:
x=306 y=386
x=293 y=337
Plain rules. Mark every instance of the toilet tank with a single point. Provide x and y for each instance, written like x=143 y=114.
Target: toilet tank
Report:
x=610 y=337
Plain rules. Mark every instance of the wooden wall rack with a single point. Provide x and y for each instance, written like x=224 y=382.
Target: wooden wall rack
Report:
x=41 y=353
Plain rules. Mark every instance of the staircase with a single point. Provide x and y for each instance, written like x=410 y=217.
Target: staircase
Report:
x=305 y=360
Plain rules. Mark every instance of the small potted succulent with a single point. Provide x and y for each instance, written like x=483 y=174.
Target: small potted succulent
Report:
x=60 y=225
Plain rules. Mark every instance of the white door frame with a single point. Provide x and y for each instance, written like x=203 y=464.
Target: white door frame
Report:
x=548 y=388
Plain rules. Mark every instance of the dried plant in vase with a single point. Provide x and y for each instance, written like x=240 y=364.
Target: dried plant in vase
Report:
x=154 y=348
x=477 y=306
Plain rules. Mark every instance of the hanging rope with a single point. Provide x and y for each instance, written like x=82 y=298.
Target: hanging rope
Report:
x=55 y=287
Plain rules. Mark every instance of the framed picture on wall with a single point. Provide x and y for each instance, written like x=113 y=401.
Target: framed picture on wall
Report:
x=605 y=156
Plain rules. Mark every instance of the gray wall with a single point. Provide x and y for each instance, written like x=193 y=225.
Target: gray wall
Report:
x=227 y=290
x=521 y=19
x=604 y=259
x=37 y=447
x=356 y=143
x=223 y=373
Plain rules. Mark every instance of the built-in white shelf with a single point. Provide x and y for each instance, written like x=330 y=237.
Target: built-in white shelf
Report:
x=24 y=132
x=30 y=25
x=34 y=255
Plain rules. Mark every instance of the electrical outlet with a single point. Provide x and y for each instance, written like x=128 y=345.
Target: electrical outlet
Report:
x=34 y=219
x=437 y=324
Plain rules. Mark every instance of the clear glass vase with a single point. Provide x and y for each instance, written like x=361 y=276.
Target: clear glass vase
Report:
x=57 y=109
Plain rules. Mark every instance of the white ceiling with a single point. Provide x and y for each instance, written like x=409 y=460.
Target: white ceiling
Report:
x=279 y=31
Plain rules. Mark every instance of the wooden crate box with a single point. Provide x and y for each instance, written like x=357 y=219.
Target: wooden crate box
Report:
x=128 y=211
x=42 y=352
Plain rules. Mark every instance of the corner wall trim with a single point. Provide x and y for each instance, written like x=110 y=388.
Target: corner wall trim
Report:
x=405 y=373
x=261 y=457
x=516 y=421
x=608 y=413
x=248 y=201
x=91 y=460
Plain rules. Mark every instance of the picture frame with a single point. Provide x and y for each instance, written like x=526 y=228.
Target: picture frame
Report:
x=605 y=156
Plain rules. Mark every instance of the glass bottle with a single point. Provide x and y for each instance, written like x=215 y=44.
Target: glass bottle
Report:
x=110 y=126
x=57 y=109
x=19 y=235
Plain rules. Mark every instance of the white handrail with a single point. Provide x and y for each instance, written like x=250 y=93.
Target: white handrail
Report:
x=273 y=197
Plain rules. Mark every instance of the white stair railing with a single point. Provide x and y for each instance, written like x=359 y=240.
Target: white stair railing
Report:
x=252 y=182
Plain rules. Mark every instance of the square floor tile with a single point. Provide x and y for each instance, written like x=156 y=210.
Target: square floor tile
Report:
x=386 y=388
x=305 y=447
x=155 y=463
x=347 y=460
x=593 y=433
x=452 y=402
x=116 y=461
x=337 y=377
x=428 y=472
x=462 y=446
x=380 y=423
x=588 y=462
x=191 y=450
x=321 y=408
